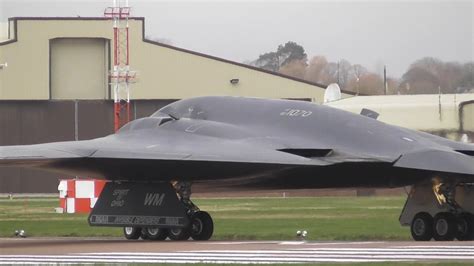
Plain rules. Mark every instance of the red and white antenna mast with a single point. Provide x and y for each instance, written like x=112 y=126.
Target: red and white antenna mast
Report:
x=121 y=77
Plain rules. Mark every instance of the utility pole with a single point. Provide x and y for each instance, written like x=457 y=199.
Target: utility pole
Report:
x=385 y=79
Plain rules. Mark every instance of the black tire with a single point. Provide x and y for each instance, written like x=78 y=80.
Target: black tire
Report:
x=179 y=234
x=444 y=226
x=132 y=233
x=155 y=233
x=465 y=227
x=422 y=227
x=143 y=234
x=202 y=226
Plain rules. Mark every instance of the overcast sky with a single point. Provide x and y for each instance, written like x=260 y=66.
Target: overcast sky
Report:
x=371 y=33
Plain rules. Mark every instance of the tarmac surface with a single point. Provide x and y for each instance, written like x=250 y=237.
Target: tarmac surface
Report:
x=115 y=250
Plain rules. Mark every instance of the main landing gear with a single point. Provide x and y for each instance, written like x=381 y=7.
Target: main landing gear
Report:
x=432 y=212
x=200 y=227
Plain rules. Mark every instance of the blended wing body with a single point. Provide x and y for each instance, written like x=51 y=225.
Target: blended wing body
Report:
x=267 y=143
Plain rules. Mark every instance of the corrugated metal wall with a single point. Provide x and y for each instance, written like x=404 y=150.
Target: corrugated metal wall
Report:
x=31 y=122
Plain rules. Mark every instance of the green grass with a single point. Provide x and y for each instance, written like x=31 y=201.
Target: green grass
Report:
x=325 y=218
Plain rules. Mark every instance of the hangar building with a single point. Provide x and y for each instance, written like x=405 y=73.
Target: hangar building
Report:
x=55 y=86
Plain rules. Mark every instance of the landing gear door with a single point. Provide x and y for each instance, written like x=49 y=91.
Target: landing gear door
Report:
x=139 y=204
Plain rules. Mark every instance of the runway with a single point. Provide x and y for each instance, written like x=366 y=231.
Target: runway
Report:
x=84 y=250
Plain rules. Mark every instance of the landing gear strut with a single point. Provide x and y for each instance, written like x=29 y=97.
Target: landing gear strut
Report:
x=201 y=226
x=432 y=211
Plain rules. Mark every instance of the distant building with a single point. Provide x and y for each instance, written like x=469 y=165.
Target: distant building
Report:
x=447 y=115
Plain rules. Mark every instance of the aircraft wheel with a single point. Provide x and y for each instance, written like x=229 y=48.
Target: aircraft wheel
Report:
x=444 y=226
x=155 y=233
x=465 y=227
x=202 y=226
x=179 y=234
x=132 y=232
x=422 y=227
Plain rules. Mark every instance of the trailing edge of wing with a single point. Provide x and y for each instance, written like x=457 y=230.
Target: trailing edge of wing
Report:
x=437 y=160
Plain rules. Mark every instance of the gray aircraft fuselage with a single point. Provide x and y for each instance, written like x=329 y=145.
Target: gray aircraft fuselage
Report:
x=249 y=142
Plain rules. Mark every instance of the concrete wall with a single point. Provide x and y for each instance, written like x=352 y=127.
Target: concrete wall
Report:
x=165 y=72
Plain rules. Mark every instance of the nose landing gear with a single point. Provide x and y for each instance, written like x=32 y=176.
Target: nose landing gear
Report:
x=201 y=226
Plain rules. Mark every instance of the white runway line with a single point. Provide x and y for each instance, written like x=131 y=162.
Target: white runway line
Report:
x=327 y=243
x=303 y=255
x=286 y=253
x=435 y=247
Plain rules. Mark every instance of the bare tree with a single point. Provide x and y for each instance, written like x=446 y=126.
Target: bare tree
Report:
x=466 y=84
x=393 y=86
x=420 y=81
x=328 y=74
x=344 y=73
x=354 y=80
x=359 y=70
x=315 y=68
x=430 y=75
x=295 y=68
x=371 y=84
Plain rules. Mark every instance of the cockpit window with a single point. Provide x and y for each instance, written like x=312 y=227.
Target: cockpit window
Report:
x=182 y=109
x=159 y=114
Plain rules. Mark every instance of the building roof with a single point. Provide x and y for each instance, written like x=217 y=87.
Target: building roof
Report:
x=427 y=112
x=404 y=100
x=14 y=39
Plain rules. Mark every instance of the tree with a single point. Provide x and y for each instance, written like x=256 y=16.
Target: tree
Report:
x=295 y=68
x=269 y=61
x=451 y=76
x=329 y=73
x=344 y=73
x=371 y=84
x=359 y=71
x=419 y=80
x=291 y=51
x=315 y=68
x=393 y=86
x=466 y=83
x=285 y=54
x=353 y=82
x=430 y=75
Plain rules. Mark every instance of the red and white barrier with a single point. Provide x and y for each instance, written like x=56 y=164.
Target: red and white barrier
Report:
x=79 y=195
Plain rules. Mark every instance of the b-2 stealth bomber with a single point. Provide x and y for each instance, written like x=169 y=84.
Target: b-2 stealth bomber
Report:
x=259 y=143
